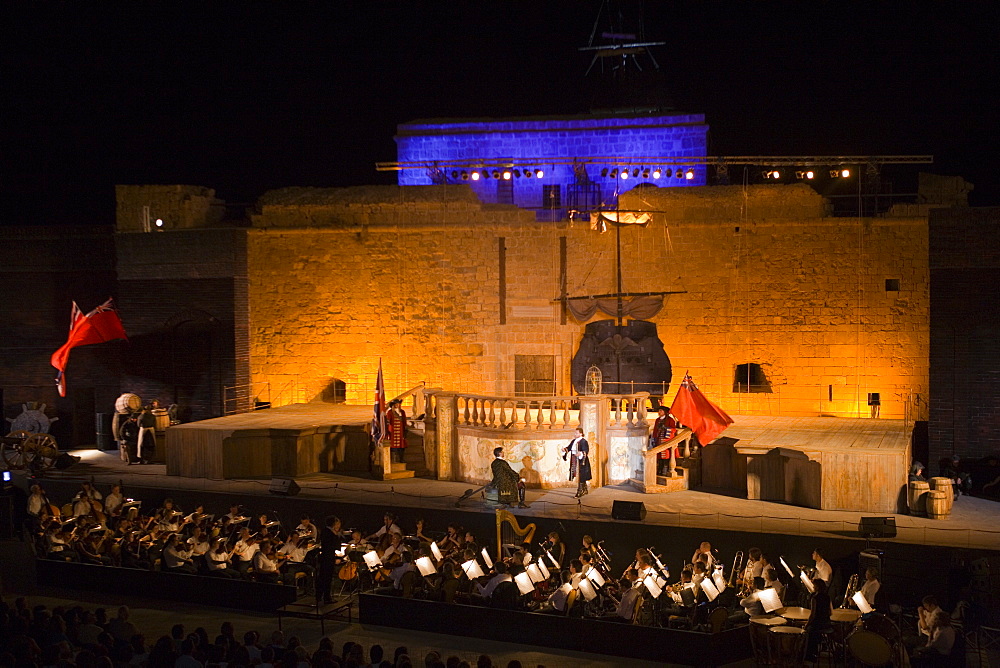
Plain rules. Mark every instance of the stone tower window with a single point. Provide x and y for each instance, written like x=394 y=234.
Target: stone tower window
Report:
x=892 y=285
x=750 y=377
x=505 y=191
x=534 y=375
x=551 y=197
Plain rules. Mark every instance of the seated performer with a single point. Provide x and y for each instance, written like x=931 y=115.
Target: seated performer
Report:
x=506 y=480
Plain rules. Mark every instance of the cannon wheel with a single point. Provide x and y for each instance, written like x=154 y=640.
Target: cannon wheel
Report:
x=13 y=454
x=42 y=449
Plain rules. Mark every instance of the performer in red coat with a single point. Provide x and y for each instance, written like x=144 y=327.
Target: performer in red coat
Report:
x=395 y=420
x=664 y=429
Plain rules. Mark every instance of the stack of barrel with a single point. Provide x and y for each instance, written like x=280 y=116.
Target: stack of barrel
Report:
x=932 y=498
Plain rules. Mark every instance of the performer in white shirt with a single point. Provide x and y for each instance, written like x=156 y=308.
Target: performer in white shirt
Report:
x=389 y=525
x=823 y=570
x=114 y=501
x=307 y=528
x=486 y=590
x=579 y=461
x=218 y=560
x=871 y=586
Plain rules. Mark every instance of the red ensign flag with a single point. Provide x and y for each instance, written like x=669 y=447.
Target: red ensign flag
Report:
x=695 y=411
x=100 y=325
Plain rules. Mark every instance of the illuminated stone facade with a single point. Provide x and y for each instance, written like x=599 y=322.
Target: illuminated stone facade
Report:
x=448 y=290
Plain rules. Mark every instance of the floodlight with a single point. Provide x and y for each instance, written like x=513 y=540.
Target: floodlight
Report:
x=540 y=173
x=159 y=222
x=679 y=173
x=624 y=174
x=475 y=176
x=657 y=173
x=506 y=175
x=465 y=176
x=689 y=174
x=845 y=173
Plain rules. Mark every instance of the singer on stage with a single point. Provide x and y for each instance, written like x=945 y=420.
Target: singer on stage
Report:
x=579 y=461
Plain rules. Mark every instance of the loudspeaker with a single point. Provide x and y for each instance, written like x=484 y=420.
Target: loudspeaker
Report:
x=65 y=460
x=284 y=487
x=102 y=424
x=877 y=527
x=628 y=510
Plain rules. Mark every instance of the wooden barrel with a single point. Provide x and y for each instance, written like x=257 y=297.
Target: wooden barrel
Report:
x=128 y=403
x=938 y=503
x=162 y=419
x=945 y=485
x=916 y=495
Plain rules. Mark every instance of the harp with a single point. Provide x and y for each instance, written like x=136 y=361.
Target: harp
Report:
x=510 y=534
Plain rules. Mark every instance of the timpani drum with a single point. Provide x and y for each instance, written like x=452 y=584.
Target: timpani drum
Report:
x=787 y=645
x=869 y=648
x=795 y=615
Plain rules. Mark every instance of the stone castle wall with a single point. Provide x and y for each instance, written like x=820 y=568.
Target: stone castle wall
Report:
x=413 y=276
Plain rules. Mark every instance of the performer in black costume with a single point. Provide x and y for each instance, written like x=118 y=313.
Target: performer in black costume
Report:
x=506 y=480
x=579 y=461
x=329 y=544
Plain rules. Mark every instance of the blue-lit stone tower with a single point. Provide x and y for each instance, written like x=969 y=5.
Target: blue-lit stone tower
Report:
x=599 y=144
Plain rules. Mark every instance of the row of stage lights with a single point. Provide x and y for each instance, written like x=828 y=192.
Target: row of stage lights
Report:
x=807 y=174
x=500 y=174
x=646 y=172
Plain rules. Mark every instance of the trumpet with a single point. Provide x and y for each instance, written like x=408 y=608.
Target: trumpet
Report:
x=739 y=564
x=852 y=587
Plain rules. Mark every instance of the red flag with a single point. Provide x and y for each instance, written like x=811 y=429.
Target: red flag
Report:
x=378 y=410
x=100 y=325
x=695 y=411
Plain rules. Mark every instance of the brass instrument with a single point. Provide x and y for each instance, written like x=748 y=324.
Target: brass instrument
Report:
x=852 y=587
x=603 y=558
x=739 y=565
x=508 y=531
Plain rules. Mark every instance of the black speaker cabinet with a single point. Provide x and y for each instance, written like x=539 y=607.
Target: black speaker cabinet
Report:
x=284 y=487
x=877 y=527
x=628 y=510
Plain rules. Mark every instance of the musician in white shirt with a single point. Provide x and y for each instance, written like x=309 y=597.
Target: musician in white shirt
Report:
x=264 y=566
x=771 y=581
x=389 y=526
x=307 y=528
x=486 y=590
x=245 y=549
x=218 y=560
x=114 y=501
x=871 y=586
x=823 y=569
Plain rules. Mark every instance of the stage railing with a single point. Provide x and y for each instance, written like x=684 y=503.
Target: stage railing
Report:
x=475 y=410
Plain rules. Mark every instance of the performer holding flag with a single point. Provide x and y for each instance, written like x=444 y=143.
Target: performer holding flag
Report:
x=695 y=411
x=100 y=325
x=378 y=418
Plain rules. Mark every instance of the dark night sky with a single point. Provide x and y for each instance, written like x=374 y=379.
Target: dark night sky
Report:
x=245 y=97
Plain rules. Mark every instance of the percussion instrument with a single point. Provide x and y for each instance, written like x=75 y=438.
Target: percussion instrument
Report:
x=787 y=645
x=769 y=621
x=794 y=614
x=845 y=615
x=869 y=648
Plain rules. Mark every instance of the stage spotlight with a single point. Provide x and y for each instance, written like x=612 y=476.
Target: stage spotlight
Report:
x=496 y=173
x=689 y=174
x=810 y=174
x=772 y=174
x=604 y=172
x=657 y=173
x=159 y=222
x=540 y=173
x=475 y=176
x=645 y=173
x=679 y=173
x=454 y=174
x=506 y=175
x=528 y=173
x=635 y=172
x=613 y=174
x=845 y=173
x=624 y=174
x=517 y=173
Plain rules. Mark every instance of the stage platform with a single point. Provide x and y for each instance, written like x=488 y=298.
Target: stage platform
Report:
x=974 y=523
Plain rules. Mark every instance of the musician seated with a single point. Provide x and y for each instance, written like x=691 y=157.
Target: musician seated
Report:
x=176 y=559
x=218 y=561
x=625 y=611
x=294 y=552
x=575 y=573
x=396 y=575
x=114 y=501
x=556 y=601
x=771 y=581
x=388 y=527
x=925 y=614
x=307 y=528
x=266 y=567
x=940 y=642
x=501 y=575
x=820 y=612
x=507 y=481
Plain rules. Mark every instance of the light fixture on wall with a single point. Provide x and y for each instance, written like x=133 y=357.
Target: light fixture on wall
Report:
x=840 y=173
x=475 y=176
x=657 y=173
x=805 y=174
x=689 y=174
